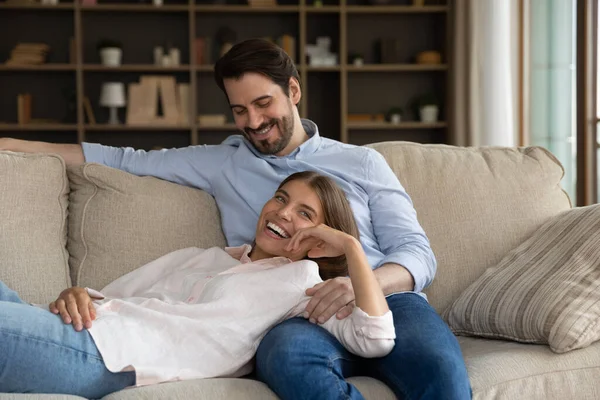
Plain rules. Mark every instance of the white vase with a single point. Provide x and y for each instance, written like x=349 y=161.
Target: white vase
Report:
x=111 y=56
x=429 y=113
x=395 y=118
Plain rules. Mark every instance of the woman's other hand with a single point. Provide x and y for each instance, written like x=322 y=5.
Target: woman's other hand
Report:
x=75 y=307
x=323 y=241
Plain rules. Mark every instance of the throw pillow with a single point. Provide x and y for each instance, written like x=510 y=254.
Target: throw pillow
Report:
x=547 y=290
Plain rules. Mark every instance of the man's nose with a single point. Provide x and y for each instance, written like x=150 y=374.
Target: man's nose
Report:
x=254 y=119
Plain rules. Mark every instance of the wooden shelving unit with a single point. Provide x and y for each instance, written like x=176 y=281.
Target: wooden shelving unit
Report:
x=330 y=93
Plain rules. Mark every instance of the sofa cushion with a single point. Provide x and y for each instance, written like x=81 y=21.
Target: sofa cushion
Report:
x=547 y=290
x=475 y=204
x=119 y=222
x=501 y=369
x=33 y=233
x=234 y=389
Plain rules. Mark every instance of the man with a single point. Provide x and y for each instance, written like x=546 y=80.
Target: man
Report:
x=299 y=359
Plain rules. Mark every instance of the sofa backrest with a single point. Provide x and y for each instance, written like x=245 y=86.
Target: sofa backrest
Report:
x=33 y=232
x=475 y=204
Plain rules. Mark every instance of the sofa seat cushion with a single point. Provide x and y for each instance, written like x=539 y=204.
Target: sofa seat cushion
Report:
x=119 y=222
x=33 y=225
x=508 y=370
x=234 y=389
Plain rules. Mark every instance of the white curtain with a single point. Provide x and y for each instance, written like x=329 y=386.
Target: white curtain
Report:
x=485 y=72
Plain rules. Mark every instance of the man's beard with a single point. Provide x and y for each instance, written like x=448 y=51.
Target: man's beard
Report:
x=285 y=126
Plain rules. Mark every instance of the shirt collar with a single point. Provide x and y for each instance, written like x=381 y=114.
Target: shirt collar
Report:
x=242 y=253
x=307 y=148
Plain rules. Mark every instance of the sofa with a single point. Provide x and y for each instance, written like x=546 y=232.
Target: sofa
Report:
x=90 y=224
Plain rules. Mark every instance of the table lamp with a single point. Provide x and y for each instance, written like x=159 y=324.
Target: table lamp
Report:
x=113 y=96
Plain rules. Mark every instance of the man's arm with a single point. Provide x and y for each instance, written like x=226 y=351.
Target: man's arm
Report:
x=71 y=153
x=394 y=278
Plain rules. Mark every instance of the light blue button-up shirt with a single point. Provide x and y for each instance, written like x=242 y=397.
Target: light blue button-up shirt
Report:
x=241 y=179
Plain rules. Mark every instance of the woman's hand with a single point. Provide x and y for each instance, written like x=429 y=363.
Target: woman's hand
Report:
x=323 y=241
x=75 y=306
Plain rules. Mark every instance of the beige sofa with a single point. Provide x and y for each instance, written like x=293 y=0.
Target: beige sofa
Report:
x=93 y=224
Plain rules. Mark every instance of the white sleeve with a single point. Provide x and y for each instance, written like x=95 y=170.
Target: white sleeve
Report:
x=362 y=334
x=94 y=294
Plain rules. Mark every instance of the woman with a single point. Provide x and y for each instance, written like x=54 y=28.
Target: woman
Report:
x=199 y=313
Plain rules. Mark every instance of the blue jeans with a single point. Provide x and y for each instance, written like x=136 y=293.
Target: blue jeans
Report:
x=41 y=354
x=299 y=360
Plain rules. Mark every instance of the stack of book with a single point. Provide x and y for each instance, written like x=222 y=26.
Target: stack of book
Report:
x=28 y=54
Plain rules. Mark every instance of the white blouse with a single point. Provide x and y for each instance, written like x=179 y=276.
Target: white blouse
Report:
x=201 y=313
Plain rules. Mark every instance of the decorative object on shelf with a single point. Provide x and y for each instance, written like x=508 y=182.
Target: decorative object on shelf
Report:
x=288 y=44
x=89 y=112
x=159 y=52
x=158 y=99
x=318 y=3
x=28 y=54
x=356 y=59
x=24 y=108
x=212 y=119
x=427 y=107
x=174 y=56
x=366 y=118
x=203 y=50
x=394 y=115
x=157 y=3
x=111 y=52
x=418 y=3
x=49 y=2
x=320 y=55
x=225 y=38
x=113 y=97
x=388 y=50
x=429 y=57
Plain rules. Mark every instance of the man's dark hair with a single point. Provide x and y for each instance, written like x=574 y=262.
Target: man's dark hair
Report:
x=259 y=56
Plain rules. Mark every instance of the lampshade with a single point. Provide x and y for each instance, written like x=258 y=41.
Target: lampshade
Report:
x=113 y=94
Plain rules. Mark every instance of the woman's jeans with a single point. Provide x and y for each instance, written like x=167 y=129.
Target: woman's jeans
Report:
x=41 y=354
x=299 y=360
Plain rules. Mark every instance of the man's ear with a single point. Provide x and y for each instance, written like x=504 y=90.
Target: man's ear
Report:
x=295 y=91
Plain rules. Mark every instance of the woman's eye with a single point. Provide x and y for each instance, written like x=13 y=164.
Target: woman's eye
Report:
x=305 y=214
x=279 y=199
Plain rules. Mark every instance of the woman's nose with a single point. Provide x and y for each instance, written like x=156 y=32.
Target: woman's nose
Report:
x=284 y=213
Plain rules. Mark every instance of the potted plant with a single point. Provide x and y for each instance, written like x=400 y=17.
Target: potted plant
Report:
x=110 y=52
x=427 y=107
x=394 y=115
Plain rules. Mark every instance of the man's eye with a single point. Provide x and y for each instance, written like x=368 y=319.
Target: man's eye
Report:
x=263 y=105
x=239 y=112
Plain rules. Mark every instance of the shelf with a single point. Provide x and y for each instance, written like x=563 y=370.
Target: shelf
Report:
x=63 y=6
x=323 y=69
x=225 y=127
x=38 y=127
x=134 y=8
x=402 y=125
x=397 y=67
x=396 y=9
x=124 y=127
x=134 y=68
x=40 y=67
x=245 y=9
x=322 y=9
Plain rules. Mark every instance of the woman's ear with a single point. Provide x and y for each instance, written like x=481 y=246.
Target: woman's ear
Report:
x=295 y=91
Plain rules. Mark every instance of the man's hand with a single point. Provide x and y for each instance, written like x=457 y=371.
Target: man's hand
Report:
x=75 y=307
x=334 y=296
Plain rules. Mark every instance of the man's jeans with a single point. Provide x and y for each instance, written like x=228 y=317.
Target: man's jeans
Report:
x=299 y=360
x=41 y=354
